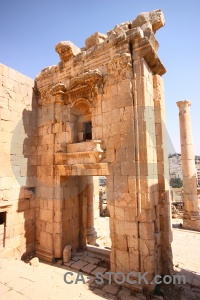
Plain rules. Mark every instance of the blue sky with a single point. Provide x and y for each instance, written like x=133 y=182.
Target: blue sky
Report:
x=29 y=31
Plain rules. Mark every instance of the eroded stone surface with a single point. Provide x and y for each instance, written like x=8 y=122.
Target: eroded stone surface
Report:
x=149 y=20
x=79 y=264
x=67 y=253
x=67 y=50
x=88 y=268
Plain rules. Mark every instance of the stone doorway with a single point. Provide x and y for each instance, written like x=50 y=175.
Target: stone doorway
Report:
x=102 y=221
x=81 y=220
x=2 y=229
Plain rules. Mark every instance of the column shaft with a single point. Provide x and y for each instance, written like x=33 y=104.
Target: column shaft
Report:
x=191 y=215
x=91 y=233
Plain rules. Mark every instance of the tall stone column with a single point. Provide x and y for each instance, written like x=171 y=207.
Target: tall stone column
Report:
x=91 y=233
x=191 y=217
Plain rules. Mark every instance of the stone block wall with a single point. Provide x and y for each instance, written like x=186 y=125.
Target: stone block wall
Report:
x=18 y=162
x=70 y=212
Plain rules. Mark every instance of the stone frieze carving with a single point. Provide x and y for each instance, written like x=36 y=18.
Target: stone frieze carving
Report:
x=120 y=66
x=89 y=83
x=86 y=85
x=44 y=95
x=58 y=89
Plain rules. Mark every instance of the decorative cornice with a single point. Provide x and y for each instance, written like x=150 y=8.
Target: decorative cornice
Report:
x=154 y=19
x=58 y=89
x=142 y=48
x=86 y=85
x=66 y=50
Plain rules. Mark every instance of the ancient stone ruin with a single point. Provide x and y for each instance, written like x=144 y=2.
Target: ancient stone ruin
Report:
x=191 y=217
x=99 y=112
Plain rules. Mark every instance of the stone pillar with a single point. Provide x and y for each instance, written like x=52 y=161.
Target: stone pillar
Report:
x=58 y=190
x=165 y=265
x=91 y=233
x=191 y=217
x=83 y=212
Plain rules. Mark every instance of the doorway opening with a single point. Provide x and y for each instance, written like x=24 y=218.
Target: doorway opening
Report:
x=85 y=216
x=88 y=130
x=102 y=216
x=2 y=229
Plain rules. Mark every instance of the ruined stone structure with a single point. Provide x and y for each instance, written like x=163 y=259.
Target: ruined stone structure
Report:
x=100 y=112
x=18 y=163
x=191 y=217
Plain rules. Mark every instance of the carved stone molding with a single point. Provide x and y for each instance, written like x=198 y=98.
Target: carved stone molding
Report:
x=67 y=50
x=81 y=106
x=184 y=106
x=58 y=91
x=44 y=95
x=142 y=48
x=84 y=86
x=120 y=66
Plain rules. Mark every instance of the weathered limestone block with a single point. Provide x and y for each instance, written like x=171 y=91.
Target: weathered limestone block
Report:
x=120 y=242
x=133 y=243
x=135 y=33
x=67 y=253
x=34 y=262
x=147 y=27
x=134 y=261
x=121 y=28
x=123 y=226
x=67 y=50
x=155 y=18
x=122 y=259
x=95 y=39
x=146 y=230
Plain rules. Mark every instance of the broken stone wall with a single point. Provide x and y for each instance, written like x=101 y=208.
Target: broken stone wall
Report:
x=18 y=162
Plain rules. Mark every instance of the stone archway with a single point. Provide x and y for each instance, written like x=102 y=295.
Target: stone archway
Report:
x=82 y=110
